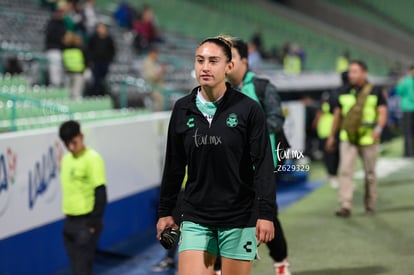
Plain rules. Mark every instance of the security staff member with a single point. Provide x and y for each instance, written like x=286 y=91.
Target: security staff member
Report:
x=292 y=65
x=229 y=199
x=342 y=62
x=74 y=61
x=323 y=121
x=83 y=198
x=269 y=99
x=374 y=117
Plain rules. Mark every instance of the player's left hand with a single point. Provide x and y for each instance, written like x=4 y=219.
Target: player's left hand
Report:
x=265 y=231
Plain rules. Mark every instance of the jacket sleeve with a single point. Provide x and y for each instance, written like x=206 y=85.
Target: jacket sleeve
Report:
x=100 y=202
x=85 y=56
x=90 y=49
x=261 y=155
x=174 y=169
x=273 y=109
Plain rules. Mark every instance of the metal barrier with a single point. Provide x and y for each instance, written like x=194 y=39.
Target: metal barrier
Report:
x=35 y=62
x=145 y=90
x=131 y=82
x=17 y=112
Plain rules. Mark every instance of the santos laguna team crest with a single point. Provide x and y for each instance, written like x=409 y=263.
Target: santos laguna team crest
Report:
x=232 y=120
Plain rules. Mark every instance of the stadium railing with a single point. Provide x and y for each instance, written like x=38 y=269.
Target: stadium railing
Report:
x=18 y=112
x=132 y=89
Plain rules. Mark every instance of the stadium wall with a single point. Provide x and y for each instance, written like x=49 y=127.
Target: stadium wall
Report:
x=31 y=221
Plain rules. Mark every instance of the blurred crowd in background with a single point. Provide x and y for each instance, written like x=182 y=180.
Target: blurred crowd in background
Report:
x=80 y=50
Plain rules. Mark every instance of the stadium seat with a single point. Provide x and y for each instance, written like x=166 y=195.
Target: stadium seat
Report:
x=243 y=18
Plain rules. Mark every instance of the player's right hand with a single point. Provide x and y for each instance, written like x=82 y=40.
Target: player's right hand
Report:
x=265 y=231
x=164 y=223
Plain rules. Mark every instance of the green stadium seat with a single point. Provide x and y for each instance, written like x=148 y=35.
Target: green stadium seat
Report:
x=242 y=18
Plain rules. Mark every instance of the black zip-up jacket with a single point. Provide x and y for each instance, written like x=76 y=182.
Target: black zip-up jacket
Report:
x=55 y=31
x=101 y=49
x=230 y=181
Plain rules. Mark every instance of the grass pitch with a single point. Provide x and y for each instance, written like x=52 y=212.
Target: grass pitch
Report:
x=322 y=244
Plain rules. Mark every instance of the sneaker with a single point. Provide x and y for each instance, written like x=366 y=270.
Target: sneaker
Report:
x=282 y=268
x=334 y=182
x=343 y=213
x=163 y=265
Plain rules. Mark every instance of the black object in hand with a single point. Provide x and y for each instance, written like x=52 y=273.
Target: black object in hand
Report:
x=169 y=238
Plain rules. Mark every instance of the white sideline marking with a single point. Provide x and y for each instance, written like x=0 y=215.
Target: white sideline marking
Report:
x=385 y=167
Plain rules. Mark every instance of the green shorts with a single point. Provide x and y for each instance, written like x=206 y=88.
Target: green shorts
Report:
x=232 y=243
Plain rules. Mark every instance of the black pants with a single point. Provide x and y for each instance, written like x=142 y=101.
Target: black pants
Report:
x=330 y=159
x=278 y=246
x=99 y=71
x=81 y=239
x=408 y=131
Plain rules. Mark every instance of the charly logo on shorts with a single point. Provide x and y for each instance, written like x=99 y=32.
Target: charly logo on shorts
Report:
x=247 y=247
x=232 y=120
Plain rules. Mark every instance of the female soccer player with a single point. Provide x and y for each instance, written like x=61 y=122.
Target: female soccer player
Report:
x=229 y=199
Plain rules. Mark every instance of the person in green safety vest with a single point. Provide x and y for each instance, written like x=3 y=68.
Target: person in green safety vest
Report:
x=74 y=62
x=323 y=124
x=265 y=93
x=373 y=120
x=342 y=62
x=292 y=65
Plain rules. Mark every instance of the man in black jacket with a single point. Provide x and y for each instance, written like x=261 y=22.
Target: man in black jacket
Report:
x=102 y=51
x=55 y=31
x=265 y=93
